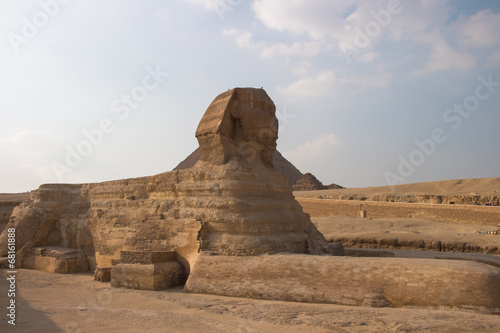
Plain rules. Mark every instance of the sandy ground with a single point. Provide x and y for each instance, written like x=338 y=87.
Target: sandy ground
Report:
x=335 y=227
x=76 y=303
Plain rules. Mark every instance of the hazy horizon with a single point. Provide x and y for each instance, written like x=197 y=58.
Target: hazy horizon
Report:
x=368 y=93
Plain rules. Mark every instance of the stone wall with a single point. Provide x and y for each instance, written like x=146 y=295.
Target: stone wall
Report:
x=487 y=215
x=377 y=282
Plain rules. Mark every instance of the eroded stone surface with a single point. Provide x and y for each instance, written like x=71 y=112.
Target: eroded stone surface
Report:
x=240 y=123
x=376 y=282
x=157 y=276
x=231 y=202
x=55 y=259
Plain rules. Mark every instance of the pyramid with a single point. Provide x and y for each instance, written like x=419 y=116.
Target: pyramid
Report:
x=308 y=183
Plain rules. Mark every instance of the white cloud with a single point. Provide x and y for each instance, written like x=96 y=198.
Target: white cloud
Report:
x=312 y=150
x=243 y=39
x=306 y=50
x=493 y=59
x=27 y=145
x=368 y=57
x=332 y=26
x=299 y=17
x=302 y=67
x=378 y=80
x=219 y=6
x=417 y=18
x=326 y=84
x=212 y=4
x=338 y=27
x=321 y=85
x=444 y=57
x=478 y=30
x=340 y=20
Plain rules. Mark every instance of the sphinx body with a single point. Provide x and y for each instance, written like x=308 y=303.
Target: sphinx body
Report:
x=231 y=202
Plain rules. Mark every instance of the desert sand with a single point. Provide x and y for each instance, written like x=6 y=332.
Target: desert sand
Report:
x=76 y=303
x=414 y=233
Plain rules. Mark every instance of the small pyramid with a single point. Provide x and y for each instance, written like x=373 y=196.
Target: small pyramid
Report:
x=308 y=183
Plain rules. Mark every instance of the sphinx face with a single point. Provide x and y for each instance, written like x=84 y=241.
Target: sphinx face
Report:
x=239 y=124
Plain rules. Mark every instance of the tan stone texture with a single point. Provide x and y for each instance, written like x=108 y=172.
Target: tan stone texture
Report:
x=157 y=276
x=241 y=207
x=239 y=123
x=54 y=259
x=374 y=282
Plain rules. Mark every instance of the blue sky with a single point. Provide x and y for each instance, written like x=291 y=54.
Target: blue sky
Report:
x=367 y=92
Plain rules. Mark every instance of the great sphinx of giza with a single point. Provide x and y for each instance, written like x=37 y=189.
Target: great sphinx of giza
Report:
x=227 y=226
x=231 y=202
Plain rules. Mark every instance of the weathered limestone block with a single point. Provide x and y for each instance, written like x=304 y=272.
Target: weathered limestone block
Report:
x=146 y=257
x=155 y=276
x=55 y=215
x=57 y=260
x=377 y=282
x=103 y=274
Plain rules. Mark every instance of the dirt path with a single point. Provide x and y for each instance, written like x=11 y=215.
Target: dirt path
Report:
x=76 y=303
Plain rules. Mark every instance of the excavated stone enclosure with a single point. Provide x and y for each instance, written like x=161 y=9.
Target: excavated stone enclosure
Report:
x=227 y=226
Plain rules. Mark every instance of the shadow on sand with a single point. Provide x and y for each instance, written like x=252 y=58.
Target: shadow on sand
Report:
x=27 y=319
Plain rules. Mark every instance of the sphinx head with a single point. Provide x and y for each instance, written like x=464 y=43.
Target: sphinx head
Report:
x=239 y=124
